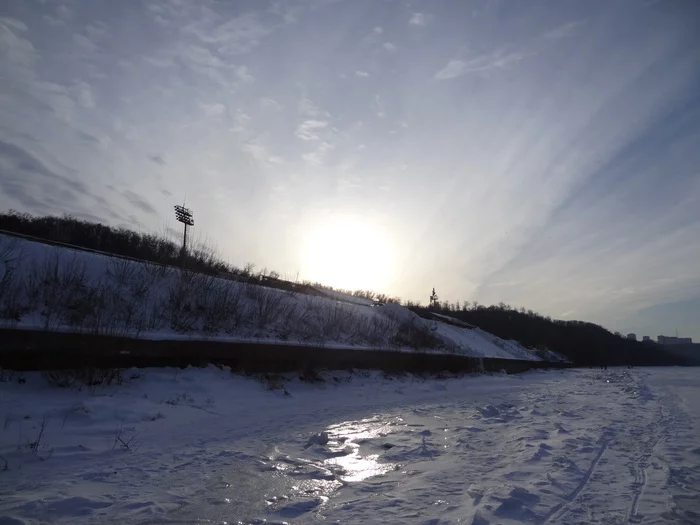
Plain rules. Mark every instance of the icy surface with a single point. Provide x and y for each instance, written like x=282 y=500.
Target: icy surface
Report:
x=204 y=446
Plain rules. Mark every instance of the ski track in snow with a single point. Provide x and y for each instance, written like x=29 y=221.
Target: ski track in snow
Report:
x=558 y=447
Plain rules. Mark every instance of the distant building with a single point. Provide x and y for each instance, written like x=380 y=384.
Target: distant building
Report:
x=632 y=337
x=646 y=339
x=666 y=340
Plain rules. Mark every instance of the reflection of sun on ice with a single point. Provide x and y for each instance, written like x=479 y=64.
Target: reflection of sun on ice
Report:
x=348 y=253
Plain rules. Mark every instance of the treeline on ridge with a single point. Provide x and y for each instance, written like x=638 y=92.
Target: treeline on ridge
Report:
x=584 y=343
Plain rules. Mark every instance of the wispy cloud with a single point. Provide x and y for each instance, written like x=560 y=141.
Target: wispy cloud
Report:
x=417 y=19
x=261 y=154
x=88 y=138
x=84 y=44
x=270 y=103
x=14 y=48
x=232 y=35
x=157 y=159
x=97 y=30
x=381 y=112
x=453 y=69
x=244 y=75
x=307 y=130
x=317 y=156
x=215 y=109
x=139 y=202
x=308 y=108
x=495 y=60
x=289 y=13
x=85 y=95
x=37 y=186
x=564 y=30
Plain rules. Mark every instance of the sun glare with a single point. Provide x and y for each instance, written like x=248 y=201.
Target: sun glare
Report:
x=348 y=253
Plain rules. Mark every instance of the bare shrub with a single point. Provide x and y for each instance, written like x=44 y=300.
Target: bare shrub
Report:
x=223 y=309
x=85 y=304
x=57 y=286
x=59 y=378
x=288 y=318
x=89 y=376
x=180 y=306
x=187 y=299
x=336 y=320
x=34 y=445
x=125 y=442
x=267 y=304
x=293 y=288
x=308 y=320
x=156 y=272
x=309 y=374
x=414 y=335
x=9 y=376
x=13 y=302
x=247 y=271
x=374 y=330
x=9 y=248
x=273 y=382
x=204 y=256
x=180 y=399
x=125 y=296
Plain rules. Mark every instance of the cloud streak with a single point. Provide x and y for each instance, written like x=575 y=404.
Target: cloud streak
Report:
x=417 y=19
x=308 y=130
x=496 y=60
x=31 y=182
x=139 y=202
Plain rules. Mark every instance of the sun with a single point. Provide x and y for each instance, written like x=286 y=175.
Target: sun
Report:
x=347 y=252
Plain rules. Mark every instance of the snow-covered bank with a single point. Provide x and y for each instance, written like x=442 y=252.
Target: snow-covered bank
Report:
x=574 y=446
x=59 y=289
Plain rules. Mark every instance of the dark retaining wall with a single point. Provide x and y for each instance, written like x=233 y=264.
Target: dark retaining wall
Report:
x=39 y=350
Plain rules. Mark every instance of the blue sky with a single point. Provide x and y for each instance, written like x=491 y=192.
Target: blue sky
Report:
x=543 y=154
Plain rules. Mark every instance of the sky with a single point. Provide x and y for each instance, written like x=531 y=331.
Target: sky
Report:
x=544 y=154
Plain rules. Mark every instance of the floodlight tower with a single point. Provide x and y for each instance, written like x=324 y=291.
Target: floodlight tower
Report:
x=184 y=216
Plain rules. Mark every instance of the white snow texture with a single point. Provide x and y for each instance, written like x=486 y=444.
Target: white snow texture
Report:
x=205 y=446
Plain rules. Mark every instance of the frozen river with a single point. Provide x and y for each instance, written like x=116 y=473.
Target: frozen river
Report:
x=576 y=446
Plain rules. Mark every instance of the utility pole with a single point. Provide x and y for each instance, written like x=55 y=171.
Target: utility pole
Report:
x=184 y=216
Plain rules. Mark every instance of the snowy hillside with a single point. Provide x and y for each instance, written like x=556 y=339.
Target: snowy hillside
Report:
x=344 y=297
x=52 y=288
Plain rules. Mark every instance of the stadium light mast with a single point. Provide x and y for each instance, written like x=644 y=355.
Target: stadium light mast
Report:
x=184 y=216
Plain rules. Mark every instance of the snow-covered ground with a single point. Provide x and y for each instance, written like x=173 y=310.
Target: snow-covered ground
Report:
x=60 y=289
x=344 y=297
x=204 y=446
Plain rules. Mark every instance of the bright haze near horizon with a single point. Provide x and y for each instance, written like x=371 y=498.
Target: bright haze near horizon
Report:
x=543 y=154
